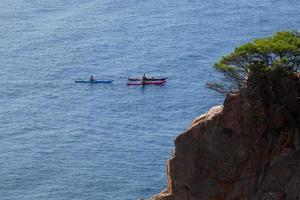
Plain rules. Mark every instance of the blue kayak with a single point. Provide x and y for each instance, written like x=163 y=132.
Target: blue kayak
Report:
x=95 y=81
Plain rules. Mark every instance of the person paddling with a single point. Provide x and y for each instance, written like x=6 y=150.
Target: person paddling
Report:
x=144 y=79
x=92 y=78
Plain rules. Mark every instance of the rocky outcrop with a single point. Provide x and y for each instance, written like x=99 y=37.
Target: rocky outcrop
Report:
x=247 y=149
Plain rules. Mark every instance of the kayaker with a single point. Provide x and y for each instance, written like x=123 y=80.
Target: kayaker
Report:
x=92 y=78
x=144 y=78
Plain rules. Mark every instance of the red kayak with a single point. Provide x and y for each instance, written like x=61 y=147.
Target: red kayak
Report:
x=147 y=83
x=148 y=79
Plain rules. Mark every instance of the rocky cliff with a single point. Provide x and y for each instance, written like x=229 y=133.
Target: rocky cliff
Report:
x=249 y=148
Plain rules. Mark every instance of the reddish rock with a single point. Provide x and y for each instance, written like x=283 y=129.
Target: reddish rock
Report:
x=246 y=149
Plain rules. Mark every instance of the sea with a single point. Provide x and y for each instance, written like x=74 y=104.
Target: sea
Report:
x=61 y=140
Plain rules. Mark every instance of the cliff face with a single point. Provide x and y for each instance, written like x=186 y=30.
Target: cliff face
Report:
x=247 y=149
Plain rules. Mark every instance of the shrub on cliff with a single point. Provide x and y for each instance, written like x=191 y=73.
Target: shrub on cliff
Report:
x=279 y=53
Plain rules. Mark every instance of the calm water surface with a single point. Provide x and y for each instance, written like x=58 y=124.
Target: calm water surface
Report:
x=60 y=140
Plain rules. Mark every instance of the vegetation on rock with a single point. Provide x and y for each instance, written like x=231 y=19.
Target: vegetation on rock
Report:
x=249 y=147
x=279 y=53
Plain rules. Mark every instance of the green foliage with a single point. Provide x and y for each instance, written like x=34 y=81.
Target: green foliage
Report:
x=280 y=53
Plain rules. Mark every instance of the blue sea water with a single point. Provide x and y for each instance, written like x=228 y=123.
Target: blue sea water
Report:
x=61 y=140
